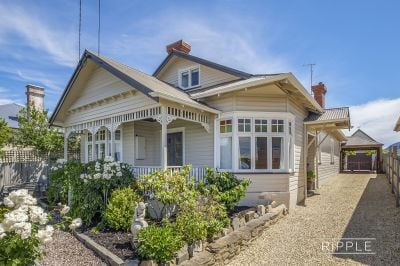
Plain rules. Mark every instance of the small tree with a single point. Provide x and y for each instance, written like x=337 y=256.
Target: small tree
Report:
x=4 y=133
x=35 y=131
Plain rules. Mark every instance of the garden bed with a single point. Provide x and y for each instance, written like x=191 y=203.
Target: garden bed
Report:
x=116 y=242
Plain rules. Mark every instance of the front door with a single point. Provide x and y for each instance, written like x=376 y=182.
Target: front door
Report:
x=175 y=149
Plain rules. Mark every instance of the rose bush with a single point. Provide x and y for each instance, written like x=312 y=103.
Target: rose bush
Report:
x=23 y=230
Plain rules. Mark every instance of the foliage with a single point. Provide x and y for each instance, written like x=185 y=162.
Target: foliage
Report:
x=91 y=185
x=121 y=207
x=159 y=243
x=17 y=251
x=228 y=189
x=35 y=131
x=4 y=133
x=370 y=152
x=191 y=224
x=350 y=153
x=310 y=175
x=3 y=211
x=22 y=229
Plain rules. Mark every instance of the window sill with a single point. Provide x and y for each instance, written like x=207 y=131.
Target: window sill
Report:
x=260 y=172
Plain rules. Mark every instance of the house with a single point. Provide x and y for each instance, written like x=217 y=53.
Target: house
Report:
x=361 y=153
x=264 y=127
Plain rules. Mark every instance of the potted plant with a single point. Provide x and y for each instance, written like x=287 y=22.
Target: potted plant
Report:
x=310 y=180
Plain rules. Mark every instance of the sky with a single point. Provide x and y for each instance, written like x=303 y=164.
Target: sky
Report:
x=354 y=44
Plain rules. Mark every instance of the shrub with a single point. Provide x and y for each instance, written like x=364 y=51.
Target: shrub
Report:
x=227 y=189
x=120 y=209
x=22 y=230
x=191 y=224
x=91 y=185
x=159 y=243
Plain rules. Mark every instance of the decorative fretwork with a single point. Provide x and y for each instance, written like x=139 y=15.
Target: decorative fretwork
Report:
x=172 y=113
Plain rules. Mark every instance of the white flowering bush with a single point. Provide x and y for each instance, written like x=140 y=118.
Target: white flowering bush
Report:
x=90 y=185
x=23 y=229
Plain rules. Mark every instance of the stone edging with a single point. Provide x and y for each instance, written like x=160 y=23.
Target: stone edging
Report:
x=101 y=251
x=225 y=248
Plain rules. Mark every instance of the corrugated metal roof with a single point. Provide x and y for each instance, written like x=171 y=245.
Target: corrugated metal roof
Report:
x=9 y=113
x=360 y=138
x=332 y=114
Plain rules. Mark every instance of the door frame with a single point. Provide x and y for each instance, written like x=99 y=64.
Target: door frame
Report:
x=177 y=130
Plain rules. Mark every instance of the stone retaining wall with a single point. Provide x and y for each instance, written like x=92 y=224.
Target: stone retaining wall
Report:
x=246 y=227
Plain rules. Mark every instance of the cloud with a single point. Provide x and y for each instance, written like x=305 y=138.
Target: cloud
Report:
x=229 y=40
x=17 y=22
x=377 y=118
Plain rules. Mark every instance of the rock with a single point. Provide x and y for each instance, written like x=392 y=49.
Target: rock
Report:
x=256 y=215
x=198 y=246
x=226 y=231
x=182 y=255
x=249 y=216
x=132 y=262
x=261 y=210
x=235 y=223
x=269 y=208
x=148 y=263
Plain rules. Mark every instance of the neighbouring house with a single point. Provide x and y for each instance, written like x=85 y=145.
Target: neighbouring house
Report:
x=361 y=153
x=264 y=127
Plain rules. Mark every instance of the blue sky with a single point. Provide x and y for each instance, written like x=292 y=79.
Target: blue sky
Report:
x=355 y=45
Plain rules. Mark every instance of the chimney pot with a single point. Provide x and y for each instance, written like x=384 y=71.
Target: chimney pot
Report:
x=319 y=91
x=35 y=96
x=180 y=45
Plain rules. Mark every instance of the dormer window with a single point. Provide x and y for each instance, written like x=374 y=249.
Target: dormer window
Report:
x=189 y=78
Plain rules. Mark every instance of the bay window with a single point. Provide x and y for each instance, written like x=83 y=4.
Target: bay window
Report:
x=255 y=142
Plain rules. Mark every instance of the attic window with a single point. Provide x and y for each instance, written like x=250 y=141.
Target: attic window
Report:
x=189 y=78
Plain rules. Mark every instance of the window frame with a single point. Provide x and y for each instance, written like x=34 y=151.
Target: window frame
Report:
x=288 y=140
x=189 y=70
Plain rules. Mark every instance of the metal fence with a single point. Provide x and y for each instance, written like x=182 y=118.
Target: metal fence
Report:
x=391 y=166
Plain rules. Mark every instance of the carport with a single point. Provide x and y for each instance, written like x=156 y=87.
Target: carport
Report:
x=361 y=153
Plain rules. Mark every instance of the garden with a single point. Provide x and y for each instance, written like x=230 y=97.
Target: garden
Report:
x=144 y=218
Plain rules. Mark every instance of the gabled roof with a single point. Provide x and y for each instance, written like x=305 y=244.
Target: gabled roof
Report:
x=361 y=139
x=397 y=126
x=329 y=115
x=9 y=113
x=148 y=85
x=229 y=70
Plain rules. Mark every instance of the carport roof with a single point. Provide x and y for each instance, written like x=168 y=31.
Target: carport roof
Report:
x=360 y=139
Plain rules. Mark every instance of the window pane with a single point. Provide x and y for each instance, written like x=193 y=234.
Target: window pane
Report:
x=226 y=153
x=118 y=135
x=185 y=79
x=277 y=153
x=117 y=155
x=89 y=137
x=225 y=126
x=277 y=125
x=244 y=153
x=261 y=153
x=244 y=125
x=260 y=125
x=89 y=149
x=195 y=77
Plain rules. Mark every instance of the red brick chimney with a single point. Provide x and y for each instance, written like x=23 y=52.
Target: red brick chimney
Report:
x=180 y=45
x=319 y=93
x=35 y=96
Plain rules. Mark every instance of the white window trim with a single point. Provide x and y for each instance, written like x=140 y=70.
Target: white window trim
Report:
x=189 y=69
x=235 y=141
x=106 y=142
x=332 y=151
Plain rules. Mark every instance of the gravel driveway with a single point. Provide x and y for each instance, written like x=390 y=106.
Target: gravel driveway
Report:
x=349 y=206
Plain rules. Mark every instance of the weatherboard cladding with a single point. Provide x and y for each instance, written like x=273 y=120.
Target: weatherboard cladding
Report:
x=9 y=113
x=360 y=138
x=332 y=114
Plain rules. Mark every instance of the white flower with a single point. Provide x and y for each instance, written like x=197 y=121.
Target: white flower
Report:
x=61 y=161
x=97 y=176
x=76 y=223
x=23 y=229
x=14 y=217
x=54 y=168
x=8 y=202
x=65 y=210
x=2 y=231
x=45 y=235
x=119 y=174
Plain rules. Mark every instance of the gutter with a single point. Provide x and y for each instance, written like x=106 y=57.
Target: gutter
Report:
x=191 y=104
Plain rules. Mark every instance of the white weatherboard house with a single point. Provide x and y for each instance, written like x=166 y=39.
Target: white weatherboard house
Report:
x=265 y=127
